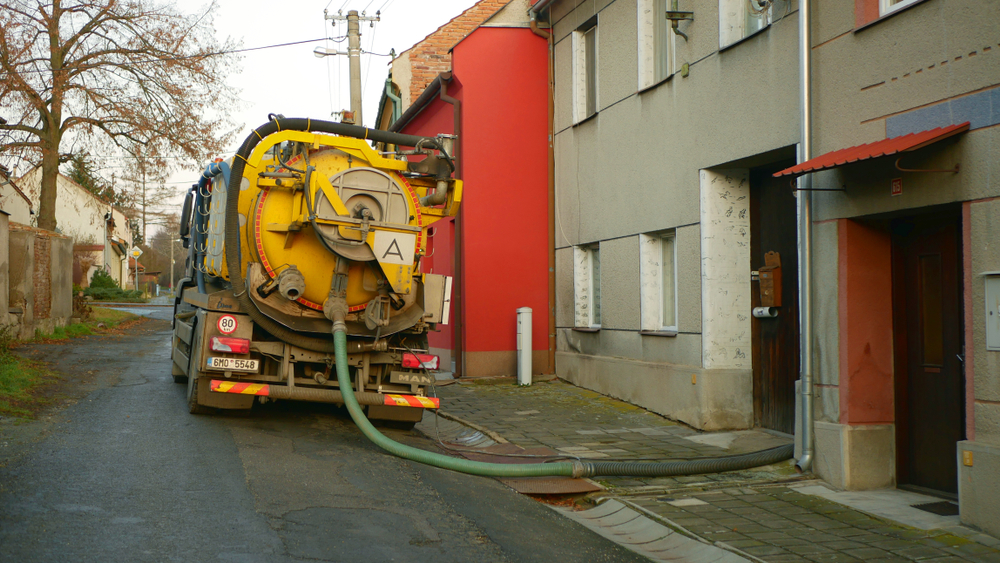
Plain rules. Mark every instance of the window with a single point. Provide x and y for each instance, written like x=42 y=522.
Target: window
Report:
x=656 y=43
x=658 y=279
x=587 y=285
x=743 y=18
x=886 y=6
x=585 y=71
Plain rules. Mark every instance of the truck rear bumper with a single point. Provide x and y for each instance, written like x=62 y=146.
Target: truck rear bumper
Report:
x=320 y=395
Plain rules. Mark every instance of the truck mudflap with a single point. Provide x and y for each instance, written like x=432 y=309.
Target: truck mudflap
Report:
x=321 y=395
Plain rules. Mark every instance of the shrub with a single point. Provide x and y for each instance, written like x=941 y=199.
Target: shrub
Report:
x=103 y=280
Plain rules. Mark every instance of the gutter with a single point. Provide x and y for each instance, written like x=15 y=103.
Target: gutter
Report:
x=804 y=196
x=426 y=97
x=539 y=6
x=547 y=36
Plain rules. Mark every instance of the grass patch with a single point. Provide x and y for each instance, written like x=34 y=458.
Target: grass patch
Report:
x=78 y=329
x=100 y=320
x=110 y=317
x=21 y=381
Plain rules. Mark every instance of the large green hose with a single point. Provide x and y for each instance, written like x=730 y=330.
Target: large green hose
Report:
x=564 y=469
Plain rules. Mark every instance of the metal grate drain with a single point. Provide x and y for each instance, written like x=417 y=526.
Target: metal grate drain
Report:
x=943 y=508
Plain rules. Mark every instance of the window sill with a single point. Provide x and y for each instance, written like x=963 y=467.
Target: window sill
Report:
x=745 y=38
x=653 y=86
x=658 y=332
x=586 y=119
x=586 y=329
x=888 y=15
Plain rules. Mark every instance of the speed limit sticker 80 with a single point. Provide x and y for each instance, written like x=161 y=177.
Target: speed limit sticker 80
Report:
x=227 y=324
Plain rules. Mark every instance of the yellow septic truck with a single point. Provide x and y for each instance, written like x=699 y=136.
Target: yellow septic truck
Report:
x=308 y=231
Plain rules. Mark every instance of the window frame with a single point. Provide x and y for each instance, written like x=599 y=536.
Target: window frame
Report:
x=768 y=19
x=649 y=41
x=885 y=7
x=584 y=283
x=582 y=94
x=651 y=275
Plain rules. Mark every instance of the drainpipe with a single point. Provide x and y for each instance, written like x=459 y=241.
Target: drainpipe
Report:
x=804 y=463
x=547 y=35
x=458 y=282
x=457 y=104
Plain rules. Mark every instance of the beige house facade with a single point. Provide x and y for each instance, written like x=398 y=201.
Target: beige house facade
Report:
x=691 y=181
x=99 y=231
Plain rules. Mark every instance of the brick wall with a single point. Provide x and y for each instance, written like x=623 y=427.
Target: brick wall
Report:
x=41 y=272
x=43 y=277
x=430 y=56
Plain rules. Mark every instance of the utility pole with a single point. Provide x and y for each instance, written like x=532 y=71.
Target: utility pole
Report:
x=353 y=53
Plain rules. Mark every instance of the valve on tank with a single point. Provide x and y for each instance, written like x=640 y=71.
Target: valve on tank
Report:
x=291 y=283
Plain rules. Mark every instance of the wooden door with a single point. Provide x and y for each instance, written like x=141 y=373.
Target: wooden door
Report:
x=927 y=325
x=775 y=340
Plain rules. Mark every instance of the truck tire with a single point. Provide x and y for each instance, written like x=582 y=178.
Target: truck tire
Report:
x=194 y=407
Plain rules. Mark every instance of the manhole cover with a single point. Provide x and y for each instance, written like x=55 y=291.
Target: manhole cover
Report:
x=943 y=508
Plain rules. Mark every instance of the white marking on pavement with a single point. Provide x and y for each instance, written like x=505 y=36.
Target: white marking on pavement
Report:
x=634 y=530
x=719 y=439
x=686 y=502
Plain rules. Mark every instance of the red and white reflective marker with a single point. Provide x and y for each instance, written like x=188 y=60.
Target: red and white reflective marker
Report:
x=227 y=324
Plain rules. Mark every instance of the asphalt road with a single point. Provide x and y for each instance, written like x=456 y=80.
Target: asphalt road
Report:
x=124 y=473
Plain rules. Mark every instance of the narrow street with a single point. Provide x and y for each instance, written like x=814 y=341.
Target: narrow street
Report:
x=124 y=473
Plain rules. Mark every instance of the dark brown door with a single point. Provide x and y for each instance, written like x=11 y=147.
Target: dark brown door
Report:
x=930 y=390
x=775 y=340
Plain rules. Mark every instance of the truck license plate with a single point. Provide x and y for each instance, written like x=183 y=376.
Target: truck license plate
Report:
x=232 y=364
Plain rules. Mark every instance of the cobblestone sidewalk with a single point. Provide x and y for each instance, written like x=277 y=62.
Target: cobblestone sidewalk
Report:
x=757 y=513
x=779 y=524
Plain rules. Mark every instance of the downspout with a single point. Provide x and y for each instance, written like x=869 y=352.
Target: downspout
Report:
x=458 y=279
x=804 y=463
x=547 y=36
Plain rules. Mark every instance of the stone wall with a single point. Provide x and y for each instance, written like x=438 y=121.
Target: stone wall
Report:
x=39 y=272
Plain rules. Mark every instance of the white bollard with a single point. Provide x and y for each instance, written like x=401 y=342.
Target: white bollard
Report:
x=524 y=346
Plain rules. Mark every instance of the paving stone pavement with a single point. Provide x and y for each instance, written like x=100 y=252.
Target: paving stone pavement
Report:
x=749 y=512
x=585 y=424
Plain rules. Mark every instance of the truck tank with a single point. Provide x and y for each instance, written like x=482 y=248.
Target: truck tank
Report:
x=309 y=226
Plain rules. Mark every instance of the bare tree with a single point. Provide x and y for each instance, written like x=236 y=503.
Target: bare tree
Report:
x=145 y=190
x=160 y=244
x=130 y=72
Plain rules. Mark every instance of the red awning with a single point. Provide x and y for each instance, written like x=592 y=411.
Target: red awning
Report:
x=885 y=147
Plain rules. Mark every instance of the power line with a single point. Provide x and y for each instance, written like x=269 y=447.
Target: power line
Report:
x=212 y=54
x=369 y=67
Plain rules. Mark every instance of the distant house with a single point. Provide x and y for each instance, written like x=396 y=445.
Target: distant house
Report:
x=100 y=232
x=13 y=200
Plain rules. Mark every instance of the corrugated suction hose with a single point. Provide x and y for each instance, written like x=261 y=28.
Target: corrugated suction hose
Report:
x=339 y=348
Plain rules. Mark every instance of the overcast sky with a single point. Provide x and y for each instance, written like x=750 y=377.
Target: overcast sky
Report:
x=294 y=82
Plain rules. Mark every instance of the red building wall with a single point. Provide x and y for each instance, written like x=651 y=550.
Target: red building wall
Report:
x=501 y=79
x=504 y=72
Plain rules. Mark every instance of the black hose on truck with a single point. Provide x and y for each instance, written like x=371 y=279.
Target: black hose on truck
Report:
x=338 y=345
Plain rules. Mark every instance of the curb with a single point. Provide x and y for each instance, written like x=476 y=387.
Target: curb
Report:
x=493 y=435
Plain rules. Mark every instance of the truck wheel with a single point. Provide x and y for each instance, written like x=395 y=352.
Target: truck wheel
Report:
x=194 y=407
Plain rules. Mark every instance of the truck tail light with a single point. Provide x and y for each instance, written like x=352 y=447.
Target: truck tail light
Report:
x=425 y=361
x=231 y=345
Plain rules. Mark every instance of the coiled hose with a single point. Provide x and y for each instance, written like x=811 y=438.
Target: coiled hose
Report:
x=339 y=349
